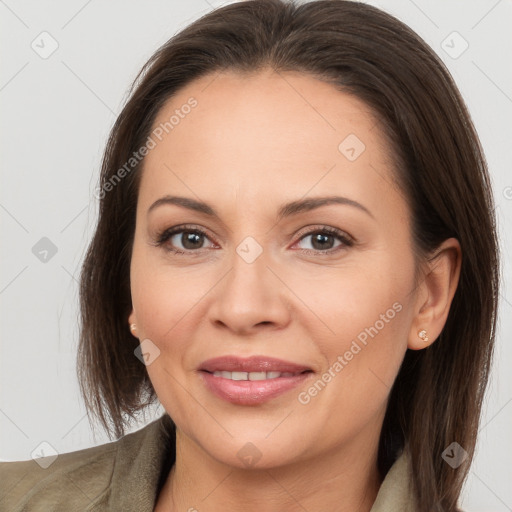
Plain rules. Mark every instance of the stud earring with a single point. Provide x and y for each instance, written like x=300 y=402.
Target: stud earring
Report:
x=423 y=335
x=133 y=327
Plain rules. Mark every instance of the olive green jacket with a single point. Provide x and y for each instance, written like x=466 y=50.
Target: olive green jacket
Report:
x=128 y=474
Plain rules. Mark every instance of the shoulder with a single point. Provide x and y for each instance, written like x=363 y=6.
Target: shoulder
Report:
x=79 y=480
x=77 y=477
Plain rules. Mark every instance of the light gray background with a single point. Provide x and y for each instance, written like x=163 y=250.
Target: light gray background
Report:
x=56 y=114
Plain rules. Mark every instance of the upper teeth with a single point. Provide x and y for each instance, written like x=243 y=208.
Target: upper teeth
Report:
x=252 y=375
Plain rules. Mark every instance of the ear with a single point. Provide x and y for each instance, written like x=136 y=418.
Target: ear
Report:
x=132 y=319
x=436 y=292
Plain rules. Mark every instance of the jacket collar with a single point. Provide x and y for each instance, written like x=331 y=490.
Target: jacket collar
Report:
x=143 y=461
x=396 y=493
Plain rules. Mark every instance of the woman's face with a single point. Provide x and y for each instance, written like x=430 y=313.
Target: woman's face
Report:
x=263 y=281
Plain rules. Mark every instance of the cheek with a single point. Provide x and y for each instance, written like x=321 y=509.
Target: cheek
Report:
x=169 y=303
x=363 y=353
x=163 y=300
x=360 y=323
x=345 y=300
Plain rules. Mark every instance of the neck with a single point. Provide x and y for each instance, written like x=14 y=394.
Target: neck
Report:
x=344 y=480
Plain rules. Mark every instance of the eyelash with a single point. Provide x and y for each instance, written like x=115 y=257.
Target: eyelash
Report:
x=165 y=235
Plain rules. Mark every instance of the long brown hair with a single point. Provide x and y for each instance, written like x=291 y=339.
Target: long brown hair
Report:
x=440 y=167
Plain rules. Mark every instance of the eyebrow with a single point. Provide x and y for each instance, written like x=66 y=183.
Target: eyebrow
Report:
x=286 y=210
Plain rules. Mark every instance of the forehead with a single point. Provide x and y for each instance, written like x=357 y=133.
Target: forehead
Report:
x=266 y=135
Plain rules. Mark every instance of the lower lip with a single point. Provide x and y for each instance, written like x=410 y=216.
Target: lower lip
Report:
x=251 y=392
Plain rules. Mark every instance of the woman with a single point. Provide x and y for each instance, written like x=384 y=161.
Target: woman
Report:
x=296 y=255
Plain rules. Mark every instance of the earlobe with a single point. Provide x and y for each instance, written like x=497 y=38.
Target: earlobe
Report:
x=438 y=286
x=132 y=323
x=421 y=341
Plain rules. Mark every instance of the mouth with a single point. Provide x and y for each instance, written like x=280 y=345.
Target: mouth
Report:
x=253 y=380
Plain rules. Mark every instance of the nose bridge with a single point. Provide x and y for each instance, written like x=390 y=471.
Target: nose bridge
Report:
x=250 y=293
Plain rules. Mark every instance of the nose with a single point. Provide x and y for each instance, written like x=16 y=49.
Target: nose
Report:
x=250 y=297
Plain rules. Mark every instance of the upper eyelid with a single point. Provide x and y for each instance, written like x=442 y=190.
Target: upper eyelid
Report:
x=319 y=228
x=179 y=229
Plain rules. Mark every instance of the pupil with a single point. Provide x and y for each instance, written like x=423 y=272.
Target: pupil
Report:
x=319 y=237
x=191 y=238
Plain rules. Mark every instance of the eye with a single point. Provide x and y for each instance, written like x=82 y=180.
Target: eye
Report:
x=182 y=239
x=190 y=239
x=323 y=240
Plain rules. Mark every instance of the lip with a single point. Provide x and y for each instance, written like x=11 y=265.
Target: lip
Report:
x=247 y=392
x=251 y=364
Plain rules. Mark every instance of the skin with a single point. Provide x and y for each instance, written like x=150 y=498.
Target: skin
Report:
x=252 y=144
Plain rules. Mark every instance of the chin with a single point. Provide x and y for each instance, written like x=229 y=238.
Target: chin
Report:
x=255 y=452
